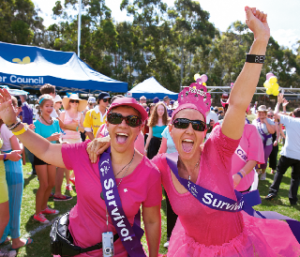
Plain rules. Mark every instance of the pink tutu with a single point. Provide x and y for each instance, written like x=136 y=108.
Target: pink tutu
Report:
x=260 y=237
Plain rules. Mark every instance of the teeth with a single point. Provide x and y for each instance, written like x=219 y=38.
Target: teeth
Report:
x=188 y=140
x=122 y=134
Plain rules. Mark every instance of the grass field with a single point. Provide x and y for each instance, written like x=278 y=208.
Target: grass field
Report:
x=40 y=247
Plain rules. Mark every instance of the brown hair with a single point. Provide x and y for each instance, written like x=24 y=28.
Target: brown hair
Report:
x=47 y=89
x=42 y=100
x=296 y=112
x=154 y=116
x=14 y=101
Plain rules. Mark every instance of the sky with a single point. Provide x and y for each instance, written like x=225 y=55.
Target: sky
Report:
x=283 y=15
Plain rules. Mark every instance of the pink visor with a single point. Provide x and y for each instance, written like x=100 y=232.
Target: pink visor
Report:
x=126 y=101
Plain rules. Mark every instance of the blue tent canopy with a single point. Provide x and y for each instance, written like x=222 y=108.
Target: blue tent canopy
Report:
x=31 y=67
x=150 y=88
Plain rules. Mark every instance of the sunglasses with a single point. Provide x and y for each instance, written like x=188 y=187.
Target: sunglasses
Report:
x=74 y=101
x=117 y=118
x=270 y=116
x=105 y=100
x=182 y=123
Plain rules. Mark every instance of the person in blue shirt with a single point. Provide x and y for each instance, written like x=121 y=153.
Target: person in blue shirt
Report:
x=290 y=154
x=47 y=127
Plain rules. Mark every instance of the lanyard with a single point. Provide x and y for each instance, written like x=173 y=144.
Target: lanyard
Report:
x=130 y=236
x=222 y=203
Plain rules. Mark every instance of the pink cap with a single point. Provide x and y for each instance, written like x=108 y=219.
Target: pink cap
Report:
x=126 y=101
x=269 y=75
x=224 y=103
x=194 y=97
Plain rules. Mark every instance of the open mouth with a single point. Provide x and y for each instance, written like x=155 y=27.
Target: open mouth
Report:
x=187 y=145
x=121 y=138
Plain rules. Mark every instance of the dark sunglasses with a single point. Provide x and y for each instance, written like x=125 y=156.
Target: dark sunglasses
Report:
x=182 y=123
x=74 y=101
x=117 y=118
x=105 y=100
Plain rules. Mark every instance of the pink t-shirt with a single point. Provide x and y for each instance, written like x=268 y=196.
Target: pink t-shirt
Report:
x=252 y=146
x=205 y=225
x=88 y=217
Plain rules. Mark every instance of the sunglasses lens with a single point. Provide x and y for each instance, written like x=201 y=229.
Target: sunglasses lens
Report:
x=105 y=100
x=198 y=125
x=114 y=118
x=133 y=121
x=181 y=123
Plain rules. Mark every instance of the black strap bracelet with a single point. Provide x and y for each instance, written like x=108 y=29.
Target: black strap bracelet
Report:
x=252 y=58
x=15 y=125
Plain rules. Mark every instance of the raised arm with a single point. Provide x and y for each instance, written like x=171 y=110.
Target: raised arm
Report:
x=246 y=83
x=39 y=146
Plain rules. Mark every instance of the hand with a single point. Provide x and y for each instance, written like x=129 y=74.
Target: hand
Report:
x=236 y=180
x=31 y=126
x=257 y=23
x=7 y=111
x=14 y=155
x=285 y=102
x=97 y=147
x=280 y=98
x=81 y=129
x=275 y=143
x=54 y=137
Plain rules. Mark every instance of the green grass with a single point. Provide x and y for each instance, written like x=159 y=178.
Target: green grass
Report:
x=40 y=247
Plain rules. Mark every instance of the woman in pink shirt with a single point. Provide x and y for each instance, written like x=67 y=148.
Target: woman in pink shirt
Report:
x=138 y=182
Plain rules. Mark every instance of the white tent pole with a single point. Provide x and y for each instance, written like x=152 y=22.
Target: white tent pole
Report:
x=79 y=28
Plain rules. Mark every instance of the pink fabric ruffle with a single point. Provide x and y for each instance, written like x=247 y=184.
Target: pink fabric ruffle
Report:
x=267 y=238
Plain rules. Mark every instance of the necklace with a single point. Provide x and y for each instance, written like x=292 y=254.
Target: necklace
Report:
x=127 y=165
x=189 y=177
x=47 y=121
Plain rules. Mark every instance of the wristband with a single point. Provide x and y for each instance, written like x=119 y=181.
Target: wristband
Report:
x=253 y=58
x=77 y=128
x=14 y=125
x=4 y=157
x=20 y=132
x=240 y=174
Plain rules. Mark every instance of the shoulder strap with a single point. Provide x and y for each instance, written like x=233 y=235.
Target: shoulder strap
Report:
x=130 y=236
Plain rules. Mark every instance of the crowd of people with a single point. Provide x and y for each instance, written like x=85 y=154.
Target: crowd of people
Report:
x=118 y=152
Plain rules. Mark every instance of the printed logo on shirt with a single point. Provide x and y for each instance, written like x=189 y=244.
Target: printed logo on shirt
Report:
x=241 y=153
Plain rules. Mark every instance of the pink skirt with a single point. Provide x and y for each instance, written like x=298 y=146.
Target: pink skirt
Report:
x=260 y=238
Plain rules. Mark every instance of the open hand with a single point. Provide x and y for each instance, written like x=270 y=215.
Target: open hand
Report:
x=257 y=23
x=7 y=111
x=14 y=155
x=280 y=98
x=97 y=147
x=54 y=137
x=285 y=102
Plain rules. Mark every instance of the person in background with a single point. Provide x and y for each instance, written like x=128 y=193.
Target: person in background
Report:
x=166 y=101
x=250 y=116
x=265 y=127
x=15 y=182
x=47 y=127
x=57 y=104
x=157 y=123
x=4 y=204
x=96 y=117
x=290 y=153
x=146 y=127
x=155 y=100
x=90 y=104
x=275 y=139
x=73 y=112
x=143 y=100
x=168 y=146
x=172 y=102
x=216 y=110
x=27 y=117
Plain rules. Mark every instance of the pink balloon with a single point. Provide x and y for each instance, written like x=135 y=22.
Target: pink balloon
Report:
x=269 y=75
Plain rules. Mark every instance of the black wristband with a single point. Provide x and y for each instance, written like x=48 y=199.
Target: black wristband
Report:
x=252 y=58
